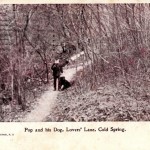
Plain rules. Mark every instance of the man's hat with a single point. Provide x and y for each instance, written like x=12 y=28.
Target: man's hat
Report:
x=57 y=61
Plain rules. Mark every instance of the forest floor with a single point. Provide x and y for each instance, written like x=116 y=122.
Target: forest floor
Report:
x=107 y=103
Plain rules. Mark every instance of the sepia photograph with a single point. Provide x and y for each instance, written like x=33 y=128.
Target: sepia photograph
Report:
x=75 y=62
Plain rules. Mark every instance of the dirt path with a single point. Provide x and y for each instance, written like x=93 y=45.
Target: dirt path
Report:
x=44 y=104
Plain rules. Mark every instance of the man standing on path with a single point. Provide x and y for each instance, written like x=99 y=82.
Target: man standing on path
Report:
x=57 y=70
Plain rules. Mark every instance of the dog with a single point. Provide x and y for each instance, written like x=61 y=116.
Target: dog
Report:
x=63 y=83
